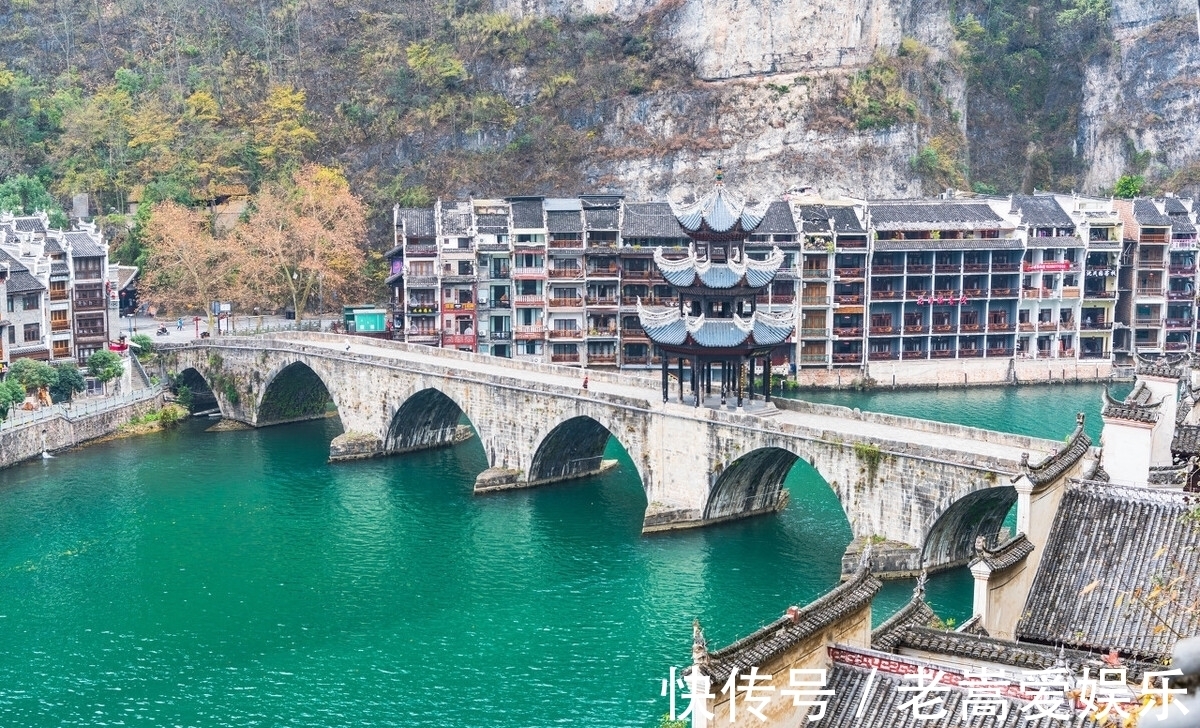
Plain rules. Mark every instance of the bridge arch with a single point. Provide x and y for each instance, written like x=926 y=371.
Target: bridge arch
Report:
x=428 y=418
x=292 y=392
x=200 y=391
x=574 y=448
x=753 y=483
x=951 y=539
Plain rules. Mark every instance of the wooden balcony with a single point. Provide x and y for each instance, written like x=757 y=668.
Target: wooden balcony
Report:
x=602 y=332
x=844 y=332
x=818 y=273
x=63 y=325
x=1096 y=325
x=529 y=273
x=919 y=269
x=1174 y=323
x=848 y=298
x=916 y=293
x=59 y=295
x=884 y=330
x=944 y=328
x=528 y=333
x=458 y=340
x=634 y=334
x=852 y=358
x=566 y=303
x=887 y=270
x=610 y=272
x=1006 y=267
x=814 y=301
x=643 y=359
x=1180 y=295
x=602 y=358
x=1176 y=346
x=567 y=243
x=888 y=295
x=775 y=298
x=1044 y=326
x=1182 y=270
x=89 y=304
x=1151 y=263
x=1101 y=294
x=970 y=328
x=1000 y=326
x=849 y=272
x=942 y=353
x=600 y=301
x=1004 y=293
x=420 y=251
x=918 y=329
x=564 y=333
x=637 y=275
x=565 y=273
x=534 y=300
x=968 y=353
x=999 y=351
x=883 y=355
x=565 y=358
x=909 y=354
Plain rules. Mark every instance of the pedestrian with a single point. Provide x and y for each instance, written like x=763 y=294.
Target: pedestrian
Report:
x=179 y=324
x=585 y=381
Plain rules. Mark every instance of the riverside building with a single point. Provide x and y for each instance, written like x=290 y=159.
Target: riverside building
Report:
x=947 y=290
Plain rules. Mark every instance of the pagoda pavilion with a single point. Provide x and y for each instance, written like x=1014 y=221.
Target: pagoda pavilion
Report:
x=717 y=324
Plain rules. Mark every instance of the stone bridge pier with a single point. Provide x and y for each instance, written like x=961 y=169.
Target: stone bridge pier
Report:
x=920 y=503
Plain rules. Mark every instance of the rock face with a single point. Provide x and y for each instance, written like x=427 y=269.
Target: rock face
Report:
x=1143 y=96
x=735 y=38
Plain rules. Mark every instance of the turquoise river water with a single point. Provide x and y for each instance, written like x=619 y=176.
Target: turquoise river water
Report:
x=237 y=579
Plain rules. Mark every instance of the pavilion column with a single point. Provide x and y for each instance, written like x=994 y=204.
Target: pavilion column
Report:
x=697 y=386
x=666 y=384
x=767 y=378
x=750 y=380
x=724 y=381
x=680 y=380
x=708 y=378
x=739 y=383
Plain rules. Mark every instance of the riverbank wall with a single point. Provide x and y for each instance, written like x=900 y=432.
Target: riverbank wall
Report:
x=958 y=373
x=60 y=427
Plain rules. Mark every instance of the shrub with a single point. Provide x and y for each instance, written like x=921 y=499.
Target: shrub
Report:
x=145 y=345
x=104 y=365
x=11 y=393
x=67 y=382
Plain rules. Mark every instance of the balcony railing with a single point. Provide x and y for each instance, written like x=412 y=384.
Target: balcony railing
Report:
x=566 y=243
x=1096 y=325
x=565 y=358
x=999 y=351
x=637 y=275
x=775 y=298
x=919 y=269
x=1176 y=346
x=820 y=273
x=1147 y=322
x=634 y=334
x=814 y=301
x=1001 y=267
x=970 y=328
x=853 y=358
x=1183 y=270
x=529 y=300
x=848 y=298
x=63 y=325
x=602 y=331
x=561 y=333
x=1099 y=294
x=1151 y=263
x=814 y=332
x=420 y=250
x=601 y=300
x=1000 y=326
x=566 y=302
x=814 y=358
x=916 y=293
x=1047 y=326
x=640 y=359
x=968 y=352
x=501 y=274
x=975 y=267
x=89 y=304
x=885 y=295
x=58 y=295
x=942 y=353
x=1152 y=291
x=525 y=333
x=883 y=355
x=610 y=272
x=458 y=340
x=568 y=273
x=1180 y=295
x=1094 y=354
x=944 y=328
x=909 y=354
x=530 y=272
x=887 y=270
x=849 y=272
x=88 y=332
x=1004 y=293
x=884 y=330
x=848 y=331
x=1174 y=323
x=602 y=358
x=916 y=329
x=501 y=335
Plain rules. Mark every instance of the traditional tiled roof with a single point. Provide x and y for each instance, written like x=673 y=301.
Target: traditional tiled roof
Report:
x=1136 y=407
x=22 y=281
x=59 y=268
x=1021 y=655
x=781 y=635
x=1186 y=439
x=1174 y=206
x=777 y=220
x=125 y=275
x=564 y=221
x=417 y=222
x=527 y=214
x=491 y=223
x=717 y=275
x=601 y=218
x=1181 y=221
x=650 y=220
x=950 y=244
x=1041 y=211
x=717 y=333
x=1006 y=555
x=32 y=224
x=1109 y=547
x=917 y=613
x=860 y=701
x=1147 y=213
x=719 y=211
x=817 y=219
x=83 y=245
x=52 y=246
x=1167 y=367
x=943 y=215
x=456 y=218
x=1054 y=465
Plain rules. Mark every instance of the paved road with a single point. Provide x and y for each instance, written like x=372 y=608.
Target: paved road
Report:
x=847 y=429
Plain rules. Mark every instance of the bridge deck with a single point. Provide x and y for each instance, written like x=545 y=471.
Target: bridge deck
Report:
x=845 y=428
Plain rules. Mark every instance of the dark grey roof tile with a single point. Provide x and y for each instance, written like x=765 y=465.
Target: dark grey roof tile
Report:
x=417 y=222
x=650 y=220
x=1041 y=211
x=942 y=215
x=527 y=214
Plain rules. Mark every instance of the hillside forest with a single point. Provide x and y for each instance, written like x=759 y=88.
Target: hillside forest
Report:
x=178 y=105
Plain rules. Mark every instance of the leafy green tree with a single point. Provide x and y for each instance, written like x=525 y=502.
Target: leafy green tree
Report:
x=33 y=375
x=105 y=366
x=145 y=345
x=25 y=195
x=68 y=382
x=11 y=394
x=1129 y=186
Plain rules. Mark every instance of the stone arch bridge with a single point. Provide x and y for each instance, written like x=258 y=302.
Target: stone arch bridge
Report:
x=921 y=491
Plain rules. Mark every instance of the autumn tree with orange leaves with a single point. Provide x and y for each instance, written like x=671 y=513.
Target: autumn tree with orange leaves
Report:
x=186 y=267
x=300 y=239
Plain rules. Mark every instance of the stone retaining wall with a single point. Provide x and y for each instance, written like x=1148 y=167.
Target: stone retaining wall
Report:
x=957 y=373
x=24 y=442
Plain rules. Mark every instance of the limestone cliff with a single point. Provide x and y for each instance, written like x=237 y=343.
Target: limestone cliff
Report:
x=1141 y=108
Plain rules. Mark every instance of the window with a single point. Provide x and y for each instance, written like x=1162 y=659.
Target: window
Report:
x=465 y=268
x=12 y=304
x=33 y=333
x=33 y=301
